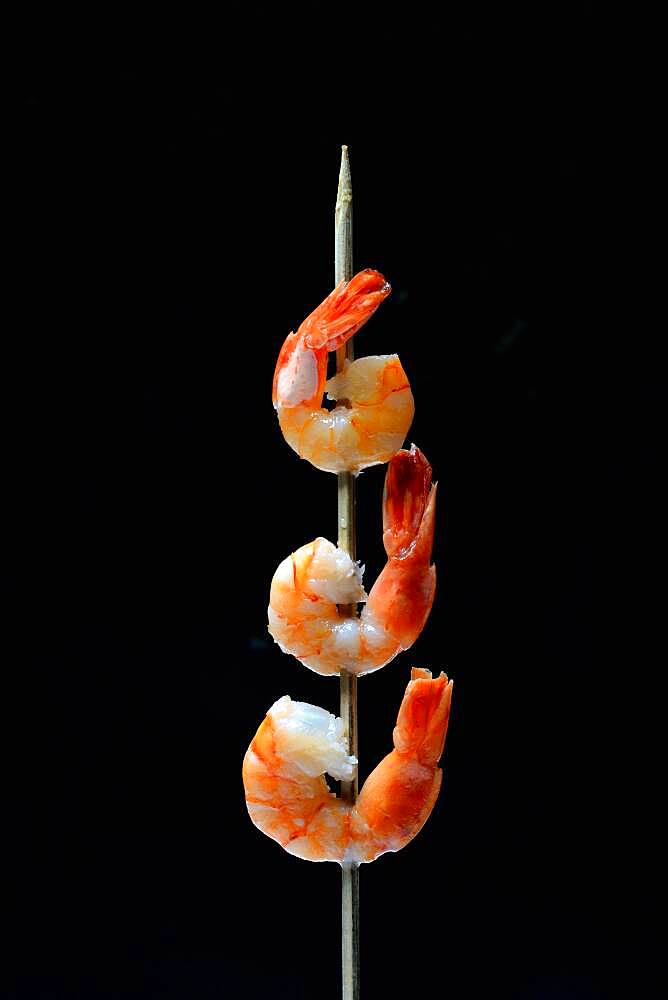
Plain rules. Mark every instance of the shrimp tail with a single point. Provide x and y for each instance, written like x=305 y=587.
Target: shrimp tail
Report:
x=344 y=311
x=422 y=723
x=399 y=794
x=403 y=595
x=406 y=496
x=301 y=368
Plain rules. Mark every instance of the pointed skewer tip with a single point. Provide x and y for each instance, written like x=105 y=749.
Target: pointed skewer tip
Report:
x=345 y=185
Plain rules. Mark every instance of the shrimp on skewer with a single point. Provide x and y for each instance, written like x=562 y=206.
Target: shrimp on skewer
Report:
x=375 y=407
x=288 y=797
x=307 y=586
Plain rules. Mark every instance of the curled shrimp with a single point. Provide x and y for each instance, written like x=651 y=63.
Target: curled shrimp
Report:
x=288 y=797
x=309 y=585
x=375 y=404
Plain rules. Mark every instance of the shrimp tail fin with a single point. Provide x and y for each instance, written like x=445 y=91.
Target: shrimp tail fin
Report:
x=344 y=311
x=409 y=502
x=422 y=722
x=301 y=368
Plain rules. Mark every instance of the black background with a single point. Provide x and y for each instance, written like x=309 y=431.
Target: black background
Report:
x=175 y=212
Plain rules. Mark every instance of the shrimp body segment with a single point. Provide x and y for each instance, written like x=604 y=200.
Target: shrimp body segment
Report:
x=309 y=585
x=288 y=797
x=375 y=408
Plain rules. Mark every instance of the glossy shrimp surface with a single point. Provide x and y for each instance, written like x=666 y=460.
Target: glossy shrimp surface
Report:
x=375 y=404
x=288 y=797
x=309 y=585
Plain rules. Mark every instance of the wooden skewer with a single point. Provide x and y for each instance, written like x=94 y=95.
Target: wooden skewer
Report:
x=347 y=540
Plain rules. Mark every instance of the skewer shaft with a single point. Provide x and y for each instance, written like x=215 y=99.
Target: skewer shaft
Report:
x=347 y=540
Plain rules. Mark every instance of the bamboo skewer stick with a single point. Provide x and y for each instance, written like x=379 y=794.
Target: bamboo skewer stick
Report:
x=347 y=540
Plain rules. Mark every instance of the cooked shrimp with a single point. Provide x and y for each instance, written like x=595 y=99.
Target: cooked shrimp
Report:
x=307 y=586
x=375 y=404
x=288 y=797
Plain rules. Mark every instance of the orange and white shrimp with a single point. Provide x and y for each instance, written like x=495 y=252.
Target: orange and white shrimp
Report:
x=375 y=404
x=309 y=585
x=297 y=744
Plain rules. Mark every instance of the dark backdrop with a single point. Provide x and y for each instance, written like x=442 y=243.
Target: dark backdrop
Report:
x=175 y=222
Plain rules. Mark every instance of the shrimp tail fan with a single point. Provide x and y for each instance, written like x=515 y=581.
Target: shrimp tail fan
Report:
x=407 y=491
x=344 y=310
x=422 y=723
